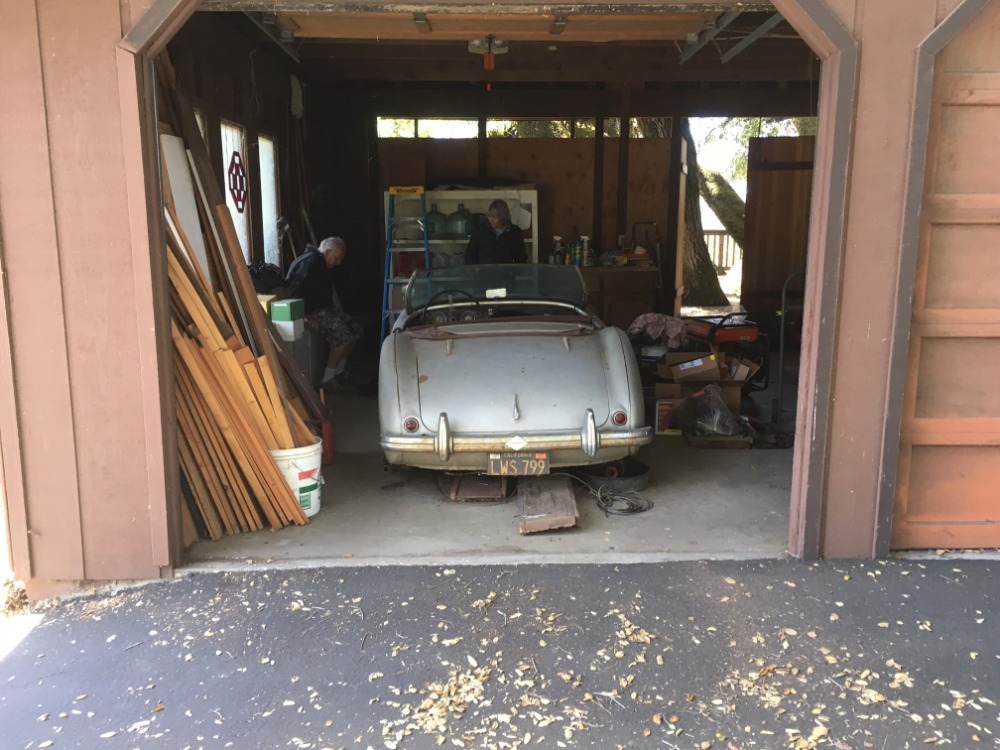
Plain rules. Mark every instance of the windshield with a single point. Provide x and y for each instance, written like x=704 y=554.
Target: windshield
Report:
x=499 y=282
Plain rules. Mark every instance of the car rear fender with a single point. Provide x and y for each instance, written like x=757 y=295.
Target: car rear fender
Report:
x=397 y=383
x=622 y=372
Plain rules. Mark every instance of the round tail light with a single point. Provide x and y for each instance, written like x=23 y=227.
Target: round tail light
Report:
x=620 y=417
x=411 y=425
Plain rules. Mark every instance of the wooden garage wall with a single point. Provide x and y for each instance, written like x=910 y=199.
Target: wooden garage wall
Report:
x=950 y=435
x=231 y=75
x=562 y=169
x=779 y=188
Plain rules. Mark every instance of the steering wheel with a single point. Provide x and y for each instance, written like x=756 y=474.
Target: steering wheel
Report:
x=432 y=300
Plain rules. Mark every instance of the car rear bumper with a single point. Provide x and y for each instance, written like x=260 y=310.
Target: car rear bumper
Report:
x=467 y=450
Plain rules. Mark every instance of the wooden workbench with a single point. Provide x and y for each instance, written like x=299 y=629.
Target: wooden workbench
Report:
x=618 y=295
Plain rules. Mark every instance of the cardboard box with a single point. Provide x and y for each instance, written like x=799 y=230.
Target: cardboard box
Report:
x=291 y=330
x=664 y=413
x=666 y=390
x=665 y=370
x=732 y=394
x=741 y=369
x=288 y=309
x=704 y=368
x=738 y=370
x=675 y=358
x=696 y=376
x=732 y=391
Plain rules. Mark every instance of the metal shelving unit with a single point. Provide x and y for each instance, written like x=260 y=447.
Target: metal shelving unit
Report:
x=522 y=202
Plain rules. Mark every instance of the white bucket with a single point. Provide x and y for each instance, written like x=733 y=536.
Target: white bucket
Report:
x=302 y=470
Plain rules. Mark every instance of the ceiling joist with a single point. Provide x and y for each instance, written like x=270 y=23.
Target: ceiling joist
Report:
x=752 y=37
x=590 y=27
x=708 y=35
x=267 y=22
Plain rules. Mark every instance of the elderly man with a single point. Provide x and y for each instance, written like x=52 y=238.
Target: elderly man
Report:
x=309 y=277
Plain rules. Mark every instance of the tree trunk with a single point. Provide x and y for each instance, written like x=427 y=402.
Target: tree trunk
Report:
x=701 y=282
x=725 y=202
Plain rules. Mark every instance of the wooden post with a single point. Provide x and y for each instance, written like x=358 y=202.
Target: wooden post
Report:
x=597 y=227
x=621 y=221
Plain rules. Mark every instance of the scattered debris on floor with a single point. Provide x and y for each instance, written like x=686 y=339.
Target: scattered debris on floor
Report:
x=15 y=599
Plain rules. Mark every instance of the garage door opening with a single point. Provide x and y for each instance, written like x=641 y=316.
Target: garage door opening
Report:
x=332 y=174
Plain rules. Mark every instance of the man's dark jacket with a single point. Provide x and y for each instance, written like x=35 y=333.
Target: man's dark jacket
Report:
x=309 y=278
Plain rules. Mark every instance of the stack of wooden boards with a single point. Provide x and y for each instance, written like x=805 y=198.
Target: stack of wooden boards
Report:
x=239 y=393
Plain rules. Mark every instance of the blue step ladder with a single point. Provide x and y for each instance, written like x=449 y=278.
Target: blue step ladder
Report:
x=393 y=248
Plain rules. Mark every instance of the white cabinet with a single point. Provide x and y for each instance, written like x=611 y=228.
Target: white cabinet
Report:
x=448 y=248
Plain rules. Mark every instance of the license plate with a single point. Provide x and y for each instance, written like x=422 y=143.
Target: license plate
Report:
x=518 y=464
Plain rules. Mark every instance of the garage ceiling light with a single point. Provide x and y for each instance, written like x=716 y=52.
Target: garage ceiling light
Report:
x=489 y=48
x=487 y=45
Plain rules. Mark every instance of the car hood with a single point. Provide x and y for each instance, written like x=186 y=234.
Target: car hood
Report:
x=477 y=380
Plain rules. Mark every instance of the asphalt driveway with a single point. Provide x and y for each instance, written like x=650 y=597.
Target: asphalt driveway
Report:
x=895 y=654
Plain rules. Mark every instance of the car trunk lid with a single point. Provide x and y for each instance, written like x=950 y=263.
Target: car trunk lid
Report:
x=552 y=379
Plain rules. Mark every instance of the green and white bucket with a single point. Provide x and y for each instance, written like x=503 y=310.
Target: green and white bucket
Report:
x=303 y=472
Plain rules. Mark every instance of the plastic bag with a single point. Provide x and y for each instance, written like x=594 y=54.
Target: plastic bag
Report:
x=266 y=277
x=706 y=414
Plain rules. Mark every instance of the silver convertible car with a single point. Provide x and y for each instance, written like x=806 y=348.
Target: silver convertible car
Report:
x=499 y=369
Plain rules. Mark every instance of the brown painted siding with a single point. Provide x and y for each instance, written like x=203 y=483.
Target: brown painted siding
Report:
x=950 y=438
x=38 y=343
x=72 y=296
x=869 y=271
x=78 y=371
x=97 y=277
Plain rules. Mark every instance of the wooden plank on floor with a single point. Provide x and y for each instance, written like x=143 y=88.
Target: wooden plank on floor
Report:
x=478 y=488
x=546 y=503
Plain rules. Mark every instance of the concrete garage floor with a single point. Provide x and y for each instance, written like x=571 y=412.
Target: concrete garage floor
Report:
x=708 y=504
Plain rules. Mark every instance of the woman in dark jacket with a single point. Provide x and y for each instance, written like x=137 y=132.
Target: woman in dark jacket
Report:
x=496 y=240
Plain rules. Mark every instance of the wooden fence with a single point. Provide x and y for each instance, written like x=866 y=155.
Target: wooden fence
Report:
x=722 y=249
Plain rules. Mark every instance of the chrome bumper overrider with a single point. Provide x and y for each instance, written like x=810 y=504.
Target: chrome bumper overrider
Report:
x=587 y=439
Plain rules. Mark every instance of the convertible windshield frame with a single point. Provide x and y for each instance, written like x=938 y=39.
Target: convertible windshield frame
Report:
x=496 y=283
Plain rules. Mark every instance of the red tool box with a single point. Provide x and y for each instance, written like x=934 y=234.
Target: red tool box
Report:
x=735 y=334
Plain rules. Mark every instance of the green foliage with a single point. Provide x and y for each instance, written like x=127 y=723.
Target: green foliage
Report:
x=587 y=128
x=650 y=127
x=741 y=129
x=396 y=127
x=528 y=129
